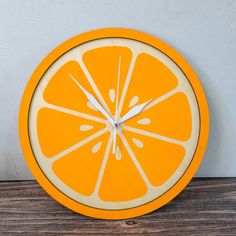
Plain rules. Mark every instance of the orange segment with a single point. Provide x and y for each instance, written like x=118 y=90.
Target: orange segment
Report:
x=103 y=64
x=63 y=91
x=158 y=163
x=150 y=79
x=80 y=168
x=171 y=118
x=121 y=180
x=58 y=131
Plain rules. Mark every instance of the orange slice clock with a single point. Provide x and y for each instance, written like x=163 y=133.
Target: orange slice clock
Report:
x=113 y=123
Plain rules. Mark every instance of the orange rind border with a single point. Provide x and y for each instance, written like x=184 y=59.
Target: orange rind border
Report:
x=24 y=134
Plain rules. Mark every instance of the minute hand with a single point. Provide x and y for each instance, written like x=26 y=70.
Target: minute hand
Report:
x=93 y=100
x=133 y=112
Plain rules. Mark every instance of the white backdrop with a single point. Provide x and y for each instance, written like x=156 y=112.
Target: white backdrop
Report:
x=204 y=32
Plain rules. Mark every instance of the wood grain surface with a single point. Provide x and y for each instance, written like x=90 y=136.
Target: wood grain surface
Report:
x=206 y=207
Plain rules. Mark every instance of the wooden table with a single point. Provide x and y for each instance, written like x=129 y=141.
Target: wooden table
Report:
x=206 y=207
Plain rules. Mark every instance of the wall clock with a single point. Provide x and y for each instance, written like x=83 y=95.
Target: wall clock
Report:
x=113 y=123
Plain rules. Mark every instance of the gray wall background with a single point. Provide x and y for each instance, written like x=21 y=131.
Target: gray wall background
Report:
x=204 y=32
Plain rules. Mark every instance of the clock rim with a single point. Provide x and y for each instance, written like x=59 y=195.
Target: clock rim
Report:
x=113 y=33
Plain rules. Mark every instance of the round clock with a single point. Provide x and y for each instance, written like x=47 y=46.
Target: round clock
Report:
x=113 y=123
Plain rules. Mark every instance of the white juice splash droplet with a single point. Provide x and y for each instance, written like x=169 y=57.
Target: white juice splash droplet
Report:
x=112 y=95
x=133 y=101
x=86 y=127
x=138 y=143
x=96 y=147
x=144 y=121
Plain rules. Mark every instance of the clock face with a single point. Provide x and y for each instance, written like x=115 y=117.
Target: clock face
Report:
x=113 y=123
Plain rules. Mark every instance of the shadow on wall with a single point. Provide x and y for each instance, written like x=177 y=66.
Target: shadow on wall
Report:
x=213 y=160
x=14 y=162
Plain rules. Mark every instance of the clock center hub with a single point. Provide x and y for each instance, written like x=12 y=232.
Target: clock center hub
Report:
x=116 y=124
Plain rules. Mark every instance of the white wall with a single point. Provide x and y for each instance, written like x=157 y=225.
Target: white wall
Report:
x=203 y=31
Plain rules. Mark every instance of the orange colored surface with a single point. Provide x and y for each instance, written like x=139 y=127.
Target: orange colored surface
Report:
x=150 y=79
x=57 y=134
x=80 y=168
x=171 y=118
x=58 y=131
x=121 y=180
x=159 y=159
x=102 y=63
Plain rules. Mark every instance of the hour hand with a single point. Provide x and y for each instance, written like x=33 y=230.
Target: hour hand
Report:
x=134 y=111
x=93 y=100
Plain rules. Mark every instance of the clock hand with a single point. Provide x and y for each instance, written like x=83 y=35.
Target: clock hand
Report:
x=114 y=140
x=93 y=100
x=116 y=112
x=118 y=88
x=134 y=111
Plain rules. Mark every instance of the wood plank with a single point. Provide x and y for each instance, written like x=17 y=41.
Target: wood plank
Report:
x=206 y=207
